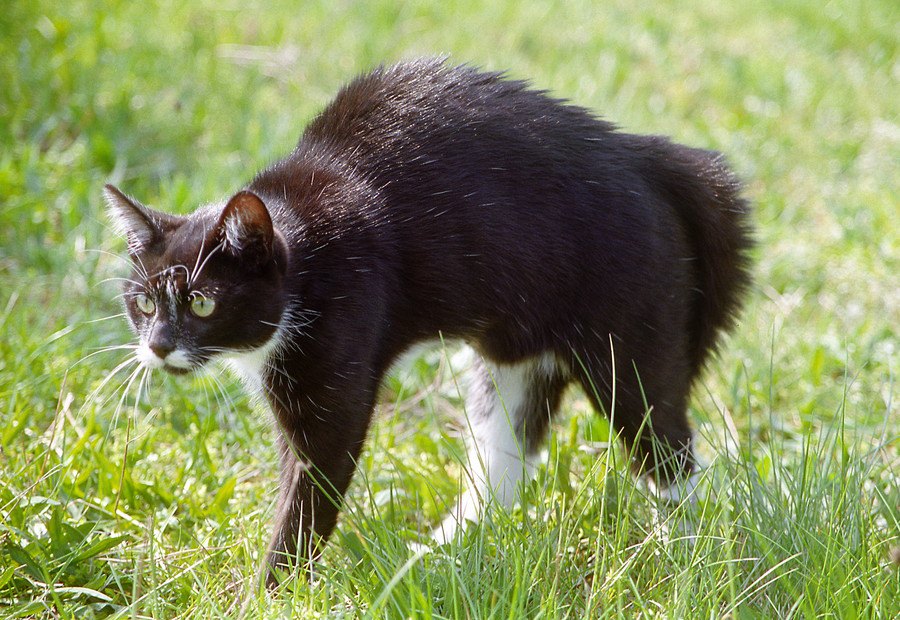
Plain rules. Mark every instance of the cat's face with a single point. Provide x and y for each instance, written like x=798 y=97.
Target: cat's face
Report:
x=208 y=284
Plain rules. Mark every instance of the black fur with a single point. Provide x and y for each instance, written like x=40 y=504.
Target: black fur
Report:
x=429 y=199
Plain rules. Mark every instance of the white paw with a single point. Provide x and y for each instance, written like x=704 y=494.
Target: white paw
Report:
x=455 y=523
x=419 y=548
x=678 y=491
x=674 y=514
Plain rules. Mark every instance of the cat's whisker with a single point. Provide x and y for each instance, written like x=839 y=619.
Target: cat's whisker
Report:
x=187 y=272
x=137 y=375
x=204 y=381
x=144 y=382
x=223 y=399
x=206 y=260
x=147 y=386
x=131 y=379
x=109 y=377
x=121 y=393
x=157 y=274
x=101 y=350
x=106 y=318
x=192 y=276
x=132 y=294
x=120 y=257
x=221 y=390
x=133 y=260
x=120 y=279
x=141 y=371
x=117 y=347
x=106 y=253
x=140 y=266
x=99 y=389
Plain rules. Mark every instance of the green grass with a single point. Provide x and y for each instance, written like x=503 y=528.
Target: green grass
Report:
x=160 y=508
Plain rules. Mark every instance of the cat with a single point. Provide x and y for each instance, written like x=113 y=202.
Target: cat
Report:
x=435 y=200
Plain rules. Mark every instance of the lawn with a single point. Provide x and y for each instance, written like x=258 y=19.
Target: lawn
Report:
x=156 y=503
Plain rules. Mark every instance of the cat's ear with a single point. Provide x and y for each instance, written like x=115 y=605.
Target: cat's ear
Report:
x=245 y=226
x=140 y=225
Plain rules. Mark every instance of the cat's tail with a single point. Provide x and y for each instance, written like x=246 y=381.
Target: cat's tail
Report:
x=706 y=195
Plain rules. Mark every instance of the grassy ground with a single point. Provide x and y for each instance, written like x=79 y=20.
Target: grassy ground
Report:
x=160 y=507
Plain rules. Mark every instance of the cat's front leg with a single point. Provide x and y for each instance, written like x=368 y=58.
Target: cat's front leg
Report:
x=318 y=451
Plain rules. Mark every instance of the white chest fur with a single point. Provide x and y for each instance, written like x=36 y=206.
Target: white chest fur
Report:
x=250 y=365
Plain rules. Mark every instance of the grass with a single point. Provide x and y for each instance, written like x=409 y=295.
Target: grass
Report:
x=112 y=507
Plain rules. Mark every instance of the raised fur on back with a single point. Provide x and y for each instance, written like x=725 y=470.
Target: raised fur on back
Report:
x=706 y=194
x=429 y=200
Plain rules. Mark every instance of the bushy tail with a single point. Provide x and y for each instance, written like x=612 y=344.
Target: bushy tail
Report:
x=706 y=194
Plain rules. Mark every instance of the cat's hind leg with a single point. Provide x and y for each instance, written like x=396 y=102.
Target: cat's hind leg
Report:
x=508 y=408
x=648 y=411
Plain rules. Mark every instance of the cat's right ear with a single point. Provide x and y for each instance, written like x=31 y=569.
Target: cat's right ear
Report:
x=140 y=225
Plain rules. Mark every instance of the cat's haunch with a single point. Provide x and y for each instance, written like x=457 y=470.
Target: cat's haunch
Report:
x=431 y=200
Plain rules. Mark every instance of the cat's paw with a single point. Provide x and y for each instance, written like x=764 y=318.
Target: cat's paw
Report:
x=674 y=515
x=418 y=547
x=448 y=530
x=467 y=511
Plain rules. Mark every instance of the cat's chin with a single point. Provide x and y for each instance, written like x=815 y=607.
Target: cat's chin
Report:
x=176 y=370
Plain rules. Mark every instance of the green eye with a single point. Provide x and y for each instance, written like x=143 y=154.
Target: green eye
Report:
x=202 y=306
x=145 y=304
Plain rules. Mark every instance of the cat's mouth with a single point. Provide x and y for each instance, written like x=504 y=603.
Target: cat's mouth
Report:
x=170 y=368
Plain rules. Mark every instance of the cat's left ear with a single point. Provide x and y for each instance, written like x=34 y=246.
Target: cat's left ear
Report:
x=245 y=227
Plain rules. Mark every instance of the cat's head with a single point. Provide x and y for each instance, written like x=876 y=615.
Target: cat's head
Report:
x=207 y=284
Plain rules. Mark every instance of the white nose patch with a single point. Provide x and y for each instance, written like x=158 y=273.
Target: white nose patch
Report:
x=176 y=359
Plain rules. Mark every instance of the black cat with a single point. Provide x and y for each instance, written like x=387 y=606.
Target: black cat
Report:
x=433 y=200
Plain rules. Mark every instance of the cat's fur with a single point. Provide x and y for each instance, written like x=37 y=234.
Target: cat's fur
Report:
x=433 y=200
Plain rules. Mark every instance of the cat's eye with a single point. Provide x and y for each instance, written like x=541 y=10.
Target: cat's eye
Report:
x=202 y=306
x=145 y=304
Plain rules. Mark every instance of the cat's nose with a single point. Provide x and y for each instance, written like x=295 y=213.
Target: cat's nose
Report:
x=162 y=349
x=162 y=340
